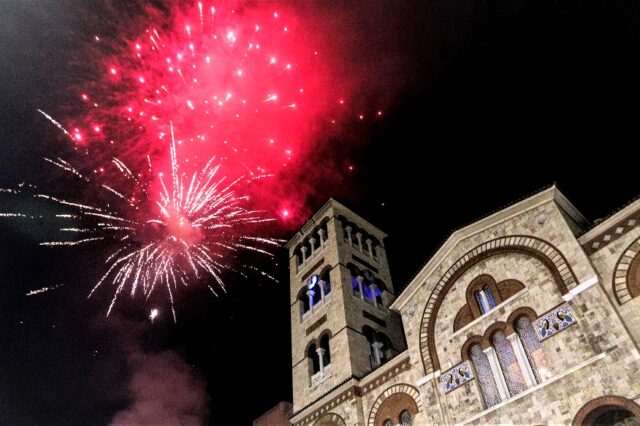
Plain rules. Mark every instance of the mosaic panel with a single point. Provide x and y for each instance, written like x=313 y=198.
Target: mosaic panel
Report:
x=554 y=321
x=456 y=377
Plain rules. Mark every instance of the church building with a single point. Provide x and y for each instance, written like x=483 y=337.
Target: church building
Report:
x=528 y=316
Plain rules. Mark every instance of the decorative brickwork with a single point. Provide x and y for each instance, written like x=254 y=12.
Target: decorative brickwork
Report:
x=463 y=317
x=330 y=419
x=626 y=276
x=545 y=252
x=594 y=408
x=612 y=233
x=393 y=406
x=508 y=288
x=404 y=389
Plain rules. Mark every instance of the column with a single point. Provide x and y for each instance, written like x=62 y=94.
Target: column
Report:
x=304 y=254
x=320 y=353
x=485 y=301
x=497 y=373
x=322 y=238
x=360 y=278
x=310 y=296
x=312 y=241
x=377 y=352
x=369 y=247
x=359 y=238
x=521 y=356
x=321 y=284
x=349 y=229
x=373 y=288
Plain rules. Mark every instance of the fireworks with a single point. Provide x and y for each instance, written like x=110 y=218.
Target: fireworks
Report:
x=247 y=88
x=249 y=84
x=197 y=225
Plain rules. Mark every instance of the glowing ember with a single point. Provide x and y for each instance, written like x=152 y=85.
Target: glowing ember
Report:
x=153 y=314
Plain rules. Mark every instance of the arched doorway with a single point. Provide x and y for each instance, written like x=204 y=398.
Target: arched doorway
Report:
x=608 y=410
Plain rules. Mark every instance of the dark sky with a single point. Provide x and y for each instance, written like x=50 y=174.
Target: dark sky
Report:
x=497 y=100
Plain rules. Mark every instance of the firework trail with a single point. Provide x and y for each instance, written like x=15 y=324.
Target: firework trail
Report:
x=43 y=290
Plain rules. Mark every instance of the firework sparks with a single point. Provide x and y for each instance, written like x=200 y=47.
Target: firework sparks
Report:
x=193 y=231
x=233 y=80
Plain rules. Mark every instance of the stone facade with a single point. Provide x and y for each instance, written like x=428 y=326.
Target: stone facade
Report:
x=277 y=416
x=523 y=317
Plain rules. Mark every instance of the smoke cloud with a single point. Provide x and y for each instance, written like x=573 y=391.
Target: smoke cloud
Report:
x=164 y=390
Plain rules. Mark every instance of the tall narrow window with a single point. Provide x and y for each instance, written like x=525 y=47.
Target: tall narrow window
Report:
x=509 y=364
x=324 y=344
x=488 y=386
x=305 y=302
x=482 y=302
x=489 y=296
x=532 y=347
x=314 y=361
x=325 y=281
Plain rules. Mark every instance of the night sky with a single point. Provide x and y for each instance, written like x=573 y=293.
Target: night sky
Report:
x=490 y=101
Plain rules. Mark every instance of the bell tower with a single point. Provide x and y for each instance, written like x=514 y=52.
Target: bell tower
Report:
x=341 y=326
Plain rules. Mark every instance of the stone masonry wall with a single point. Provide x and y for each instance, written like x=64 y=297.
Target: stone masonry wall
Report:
x=605 y=261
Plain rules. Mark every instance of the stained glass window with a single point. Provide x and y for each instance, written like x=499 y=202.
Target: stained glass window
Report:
x=405 y=418
x=510 y=367
x=531 y=344
x=387 y=423
x=355 y=285
x=482 y=304
x=490 y=300
x=488 y=387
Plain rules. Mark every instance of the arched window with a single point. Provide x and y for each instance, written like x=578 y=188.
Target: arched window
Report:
x=405 y=418
x=385 y=347
x=313 y=285
x=509 y=364
x=303 y=297
x=488 y=387
x=387 y=423
x=314 y=361
x=371 y=340
x=325 y=280
x=366 y=288
x=483 y=294
x=532 y=347
x=381 y=287
x=324 y=344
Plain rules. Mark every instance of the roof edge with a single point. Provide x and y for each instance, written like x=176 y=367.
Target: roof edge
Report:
x=543 y=196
